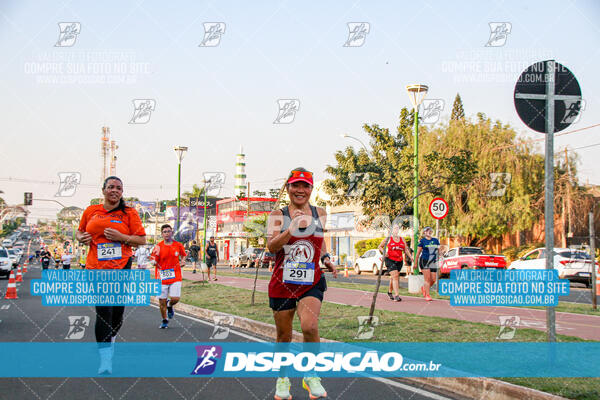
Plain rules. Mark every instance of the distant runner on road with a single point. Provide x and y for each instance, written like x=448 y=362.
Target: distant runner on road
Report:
x=168 y=255
x=394 y=260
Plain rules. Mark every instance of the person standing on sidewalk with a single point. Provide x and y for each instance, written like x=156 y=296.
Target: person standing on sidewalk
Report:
x=297 y=285
x=394 y=260
x=110 y=226
x=194 y=251
x=212 y=256
x=168 y=255
x=427 y=254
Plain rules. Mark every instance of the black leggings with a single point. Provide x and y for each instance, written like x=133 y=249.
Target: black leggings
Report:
x=109 y=319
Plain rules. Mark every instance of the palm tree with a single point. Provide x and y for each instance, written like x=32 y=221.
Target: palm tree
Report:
x=196 y=192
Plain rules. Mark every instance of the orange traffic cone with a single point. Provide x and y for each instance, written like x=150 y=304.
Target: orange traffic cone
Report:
x=25 y=268
x=11 y=291
x=270 y=266
x=19 y=275
x=346 y=270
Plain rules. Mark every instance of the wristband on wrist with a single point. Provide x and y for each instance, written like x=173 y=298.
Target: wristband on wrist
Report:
x=324 y=256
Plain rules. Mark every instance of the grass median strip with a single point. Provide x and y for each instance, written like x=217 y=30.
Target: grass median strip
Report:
x=340 y=322
x=575 y=308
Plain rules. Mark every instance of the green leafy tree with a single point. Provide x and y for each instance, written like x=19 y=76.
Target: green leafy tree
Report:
x=458 y=112
x=381 y=179
x=256 y=227
x=504 y=196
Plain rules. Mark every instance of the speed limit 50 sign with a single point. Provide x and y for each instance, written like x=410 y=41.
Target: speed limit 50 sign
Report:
x=438 y=208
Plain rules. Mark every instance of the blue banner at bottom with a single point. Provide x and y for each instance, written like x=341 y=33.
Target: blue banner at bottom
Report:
x=245 y=360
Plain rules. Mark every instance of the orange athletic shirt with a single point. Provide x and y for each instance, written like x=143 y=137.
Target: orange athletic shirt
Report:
x=94 y=220
x=167 y=258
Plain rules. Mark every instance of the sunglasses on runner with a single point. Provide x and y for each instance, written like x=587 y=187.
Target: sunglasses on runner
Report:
x=301 y=176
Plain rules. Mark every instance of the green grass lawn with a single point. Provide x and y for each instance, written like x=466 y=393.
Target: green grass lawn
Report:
x=340 y=322
x=569 y=307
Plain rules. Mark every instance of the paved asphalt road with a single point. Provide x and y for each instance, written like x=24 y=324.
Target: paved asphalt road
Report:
x=26 y=320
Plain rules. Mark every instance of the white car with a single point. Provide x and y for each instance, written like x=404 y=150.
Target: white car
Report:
x=369 y=261
x=7 y=243
x=14 y=256
x=234 y=261
x=574 y=265
x=5 y=262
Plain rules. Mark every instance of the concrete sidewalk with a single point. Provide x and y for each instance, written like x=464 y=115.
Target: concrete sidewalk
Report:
x=579 y=325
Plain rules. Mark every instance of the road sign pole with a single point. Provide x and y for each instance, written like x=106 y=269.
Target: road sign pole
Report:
x=437 y=271
x=549 y=183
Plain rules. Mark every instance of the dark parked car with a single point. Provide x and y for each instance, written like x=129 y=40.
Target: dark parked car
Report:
x=267 y=258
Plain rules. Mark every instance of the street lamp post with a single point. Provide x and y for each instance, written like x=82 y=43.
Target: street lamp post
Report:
x=416 y=93
x=345 y=135
x=204 y=237
x=180 y=151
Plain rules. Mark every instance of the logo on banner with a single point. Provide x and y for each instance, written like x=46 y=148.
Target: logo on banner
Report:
x=499 y=182
x=68 y=183
x=431 y=110
x=212 y=34
x=366 y=329
x=508 y=326
x=221 y=329
x=357 y=33
x=498 y=34
x=77 y=325
x=207 y=359
x=573 y=110
x=68 y=33
x=142 y=110
x=287 y=111
x=215 y=181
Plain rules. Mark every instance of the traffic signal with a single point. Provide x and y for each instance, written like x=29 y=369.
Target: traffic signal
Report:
x=28 y=199
x=163 y=206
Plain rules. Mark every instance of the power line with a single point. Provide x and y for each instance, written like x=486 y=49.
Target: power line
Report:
x=542 y=139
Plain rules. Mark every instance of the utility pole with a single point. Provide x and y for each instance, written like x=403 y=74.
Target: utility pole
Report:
x=248 y=211
x=569 y=232
x=593 y=251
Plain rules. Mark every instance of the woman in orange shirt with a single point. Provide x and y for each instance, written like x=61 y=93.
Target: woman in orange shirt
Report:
x=110 y=229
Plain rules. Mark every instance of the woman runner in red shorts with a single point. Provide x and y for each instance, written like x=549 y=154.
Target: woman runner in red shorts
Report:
x=295 y=235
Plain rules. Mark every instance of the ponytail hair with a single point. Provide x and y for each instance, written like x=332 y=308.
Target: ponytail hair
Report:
x=121 y=206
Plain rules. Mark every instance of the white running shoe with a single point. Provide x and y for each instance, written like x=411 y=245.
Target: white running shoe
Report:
x=314 y=387
x=282 y=389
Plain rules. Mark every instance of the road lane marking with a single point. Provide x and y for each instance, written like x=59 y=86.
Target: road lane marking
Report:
x=385 y=381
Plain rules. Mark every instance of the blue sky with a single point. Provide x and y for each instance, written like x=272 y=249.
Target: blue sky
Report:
x=214 y=99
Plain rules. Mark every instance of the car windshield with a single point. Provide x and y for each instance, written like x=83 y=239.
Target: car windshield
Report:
x=3 y=253
x=580 y=255
x=471 y=250
x=12 y=252
x=257 y=251
x=267 y=254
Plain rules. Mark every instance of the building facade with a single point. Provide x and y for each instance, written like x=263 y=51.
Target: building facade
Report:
x=231 y=214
